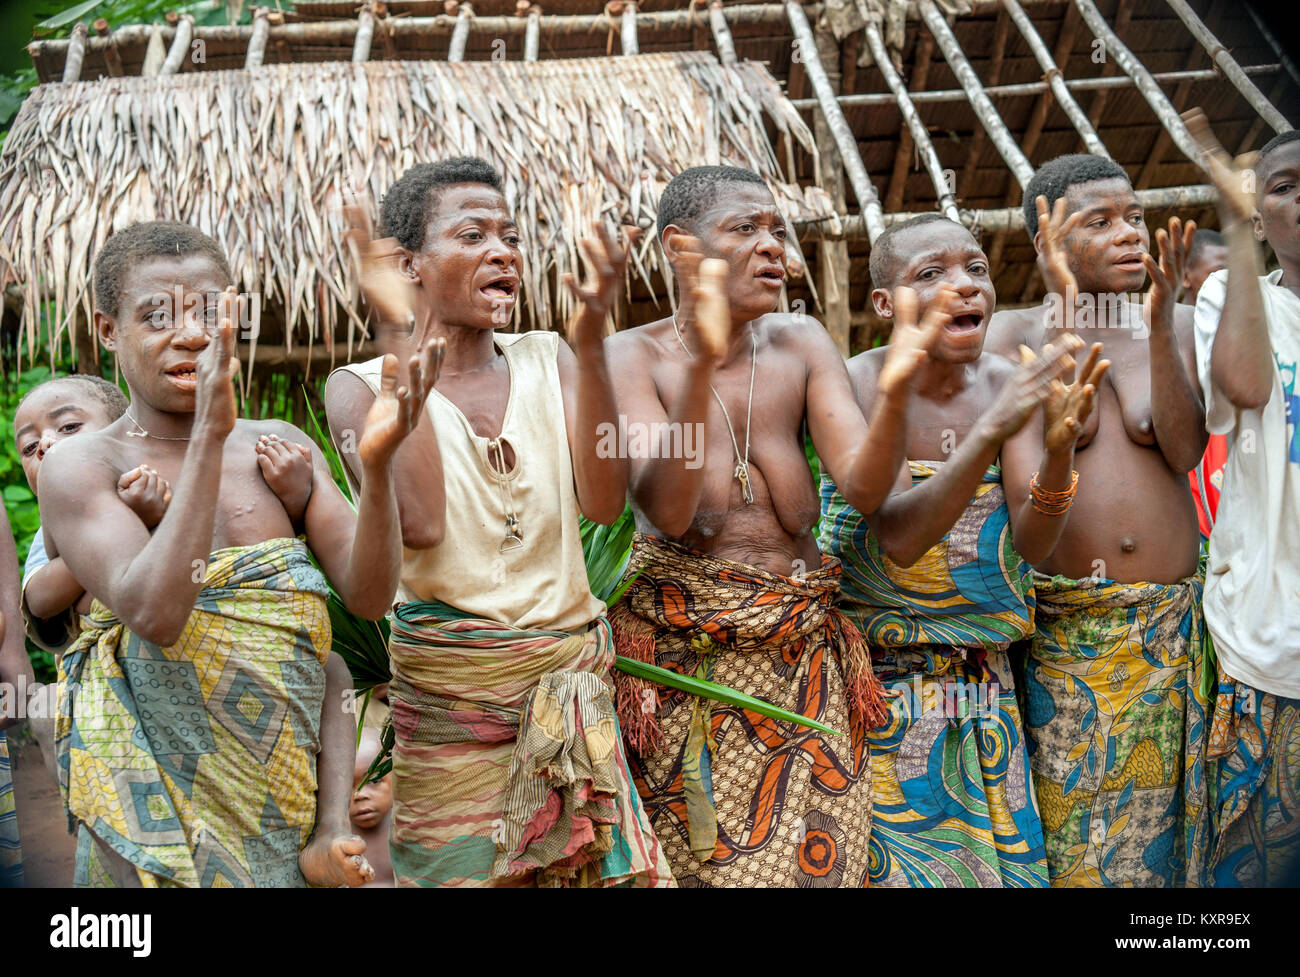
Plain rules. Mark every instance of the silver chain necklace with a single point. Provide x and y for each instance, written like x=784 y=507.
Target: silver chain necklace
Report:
x=140 y=432
x=742 y=464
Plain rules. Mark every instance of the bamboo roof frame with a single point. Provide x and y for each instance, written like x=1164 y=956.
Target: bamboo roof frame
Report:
x=630 y=22
x=1220 y=56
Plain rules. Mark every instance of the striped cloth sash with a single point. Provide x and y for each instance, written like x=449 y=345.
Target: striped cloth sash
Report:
x=561 y=807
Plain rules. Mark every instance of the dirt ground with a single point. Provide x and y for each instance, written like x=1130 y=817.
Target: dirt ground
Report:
x=48 y=850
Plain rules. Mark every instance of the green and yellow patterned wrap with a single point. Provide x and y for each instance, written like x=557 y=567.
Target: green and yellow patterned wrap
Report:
x=951 y=796
x=1118 y=728
x=197 y=762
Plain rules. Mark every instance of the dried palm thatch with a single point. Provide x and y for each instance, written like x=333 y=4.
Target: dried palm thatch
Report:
x=262 y=161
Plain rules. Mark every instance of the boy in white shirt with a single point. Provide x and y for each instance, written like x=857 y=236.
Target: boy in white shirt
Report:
x=1247 y=368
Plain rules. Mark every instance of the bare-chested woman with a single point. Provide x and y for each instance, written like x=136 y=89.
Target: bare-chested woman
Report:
x=1113 y=677
x=732 y=586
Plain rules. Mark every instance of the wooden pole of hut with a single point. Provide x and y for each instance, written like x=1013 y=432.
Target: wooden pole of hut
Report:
x=76 y=52
x=111 y=56
x=627 y=28
x=1052 y=74
x=1028 y=87
x=943 y=193
x=155 y=53
x=1033 y=131
x=853 y=226
x=532 y=33
x=721 y=33
x=365 y=35
x=1134 y=68
x=278 y=27
x=1220 y=56
x=180 y=46
x=460 y=33
x=845 y=141
x=981 y=104
x=257 y=43
x=832 y=254
x=336 y=32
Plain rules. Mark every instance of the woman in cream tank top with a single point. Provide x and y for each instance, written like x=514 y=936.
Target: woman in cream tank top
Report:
x=511 y=552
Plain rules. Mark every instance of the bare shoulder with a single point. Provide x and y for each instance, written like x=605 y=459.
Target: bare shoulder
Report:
x=866 y=365
x=1009 y=328
x=75 y=467
x=638 y=346
x=791 y=328
x=994 y=369
x=864 y=369
x=250 y=430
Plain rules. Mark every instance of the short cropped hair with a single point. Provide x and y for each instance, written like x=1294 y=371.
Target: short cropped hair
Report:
x=1201 y=240
x=883 y=264
x=1054 y=179
x=691 y=191
x=108 y=394
x=412 y=200
x=1277 y=142
x=140 y=242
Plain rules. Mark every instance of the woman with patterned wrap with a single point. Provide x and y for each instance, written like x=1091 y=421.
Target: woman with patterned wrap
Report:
x=508 y=768
x=937 y=583
x=732 y=584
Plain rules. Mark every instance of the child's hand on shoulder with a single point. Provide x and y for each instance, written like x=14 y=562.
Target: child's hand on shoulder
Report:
x=146 y=493
x=288 y=469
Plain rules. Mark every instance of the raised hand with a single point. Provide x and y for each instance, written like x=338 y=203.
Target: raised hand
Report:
x=215 y=407
x=1066 y=409
x=146 y=493
x=712 y=312
x=1167 y=275
x=607 y=265
x=1233 y=179
x=709 y=335
x=385 y=288
x=911 y=341
x=396 y=410
x=1029 y=386
x=288 y=469
x=1053 y=262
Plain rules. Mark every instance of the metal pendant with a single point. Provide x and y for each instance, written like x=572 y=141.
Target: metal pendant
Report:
x=746 y=491
x=514 y=538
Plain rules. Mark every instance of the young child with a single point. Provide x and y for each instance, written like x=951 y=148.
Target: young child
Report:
x=52 y=411
x=369 y=810
x=80 y=404
x=1247 y=350
x=201 y=735
x=52 y=599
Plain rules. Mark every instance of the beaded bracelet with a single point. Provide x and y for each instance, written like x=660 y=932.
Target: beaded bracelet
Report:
x=1051 y=503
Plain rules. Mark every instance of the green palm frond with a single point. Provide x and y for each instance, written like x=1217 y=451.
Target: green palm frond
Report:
x=716 y=691
x=607 y=550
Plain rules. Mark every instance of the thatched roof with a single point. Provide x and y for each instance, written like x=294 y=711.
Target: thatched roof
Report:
x=262 y=161
x=985 y=146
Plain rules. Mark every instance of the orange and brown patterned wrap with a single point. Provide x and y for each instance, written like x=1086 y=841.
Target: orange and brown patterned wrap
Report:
x=737 y=798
